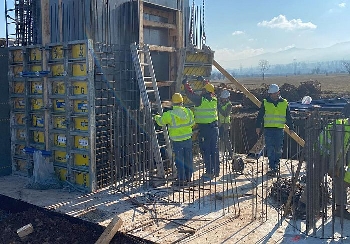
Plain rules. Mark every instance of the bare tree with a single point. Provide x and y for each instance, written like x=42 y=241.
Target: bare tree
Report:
x=346 y=64
x=264 y=66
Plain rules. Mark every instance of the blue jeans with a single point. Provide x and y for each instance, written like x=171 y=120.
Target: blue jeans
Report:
x=183 y=159
x=274 y=146
x=210 y=147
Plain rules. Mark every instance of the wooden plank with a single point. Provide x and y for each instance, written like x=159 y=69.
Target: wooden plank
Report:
x=162 y=48
x=110 y=231
x=256 y=101
x=155 y=24
x=141 y=39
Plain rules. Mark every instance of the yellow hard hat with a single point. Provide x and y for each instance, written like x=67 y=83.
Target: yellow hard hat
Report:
x=209 y=87
x=177 y=98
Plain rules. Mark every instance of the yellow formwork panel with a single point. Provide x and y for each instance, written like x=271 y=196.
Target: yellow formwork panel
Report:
x=18 y=87
x=20 y=119
x=21 y=135
x=81 y=142
x=81 y=123
x=80 y=106
x=35 y=54
x=59 y=122
x=197 y=57
x=60 y=156
x=19 y=149
x=79 y=70
x=81 y=159
x=17 y=56
x=61 y=173
x=38 y=120
x=57 y=70
x=79 y=50
x=79 y=87
x=21 y=165
x=59 y=105
x=196 y=71
x=19 y=103
x=36 y=87
x=60 y=140
x=57 y=52
x=58 y=87
x=82 y=178
x=36 y=103
x=35 y=68
x=38 y=136
x=17 y=70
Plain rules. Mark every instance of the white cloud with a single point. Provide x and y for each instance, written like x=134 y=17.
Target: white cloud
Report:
x=228 y=57
x=342 y=5
x=236 y=33
x=282 y=22
x=287 y=47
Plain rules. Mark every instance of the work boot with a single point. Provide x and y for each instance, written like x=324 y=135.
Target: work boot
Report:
x=338 y=212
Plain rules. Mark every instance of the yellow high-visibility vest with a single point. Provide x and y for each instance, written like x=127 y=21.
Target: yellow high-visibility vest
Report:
x=207 y=112
x=223 y=119
x=275 y=117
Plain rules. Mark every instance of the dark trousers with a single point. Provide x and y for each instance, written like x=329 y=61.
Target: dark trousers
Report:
x=274 y=146
x=183 y=159
x=209 y=133
x=225 y=142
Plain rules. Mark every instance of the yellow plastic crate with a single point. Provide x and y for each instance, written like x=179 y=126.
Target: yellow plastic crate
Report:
x=19 y=103
x=35 y=68
x=17 y=56
x=57 y=70
x=20 y=165
x=61 y=173
x=21 y=135
x=17 y=70
x=19 y=149
x=18 y=87
x=20 y=119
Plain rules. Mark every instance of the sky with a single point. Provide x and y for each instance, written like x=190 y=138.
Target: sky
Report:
x=238 y=29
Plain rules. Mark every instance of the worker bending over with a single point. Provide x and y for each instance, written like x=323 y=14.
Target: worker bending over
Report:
x=206 y=116
x=180 y=121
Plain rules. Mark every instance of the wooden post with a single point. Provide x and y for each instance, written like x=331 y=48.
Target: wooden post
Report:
x=256 y=101
x=45 y=39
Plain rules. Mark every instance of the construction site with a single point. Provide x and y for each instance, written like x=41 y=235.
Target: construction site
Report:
x=83 y=160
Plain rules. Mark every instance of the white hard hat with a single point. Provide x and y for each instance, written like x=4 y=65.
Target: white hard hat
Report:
x=273 y=88
x=225 y=94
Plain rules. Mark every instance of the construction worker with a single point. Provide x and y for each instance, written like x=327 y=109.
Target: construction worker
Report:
x=334 y=143
x=206 y=117
x=273 y=114
x=180 y=121
x=224 y=112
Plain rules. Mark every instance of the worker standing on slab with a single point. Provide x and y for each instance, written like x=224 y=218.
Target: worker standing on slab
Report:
x=206 y=116
x=180 y=121
x=273 y=114
x=224 y=112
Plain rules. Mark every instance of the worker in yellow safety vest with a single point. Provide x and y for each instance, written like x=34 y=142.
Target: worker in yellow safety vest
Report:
x=273 y=114
x=180 y=121
x=206 y=117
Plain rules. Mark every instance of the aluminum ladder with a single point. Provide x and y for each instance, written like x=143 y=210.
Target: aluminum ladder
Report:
x=141 y=58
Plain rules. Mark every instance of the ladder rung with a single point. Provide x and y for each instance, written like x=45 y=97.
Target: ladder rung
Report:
x=144 y=64
x=147 y=77
x=148 y=83
x=150 y=91
x=159 y=132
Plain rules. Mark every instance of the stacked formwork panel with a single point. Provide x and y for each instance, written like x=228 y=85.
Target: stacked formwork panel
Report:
x=70 y=109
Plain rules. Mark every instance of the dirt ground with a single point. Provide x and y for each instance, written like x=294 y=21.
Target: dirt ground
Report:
x=168 y=215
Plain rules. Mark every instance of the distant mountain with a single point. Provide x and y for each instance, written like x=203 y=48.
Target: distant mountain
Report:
x=339 y=51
